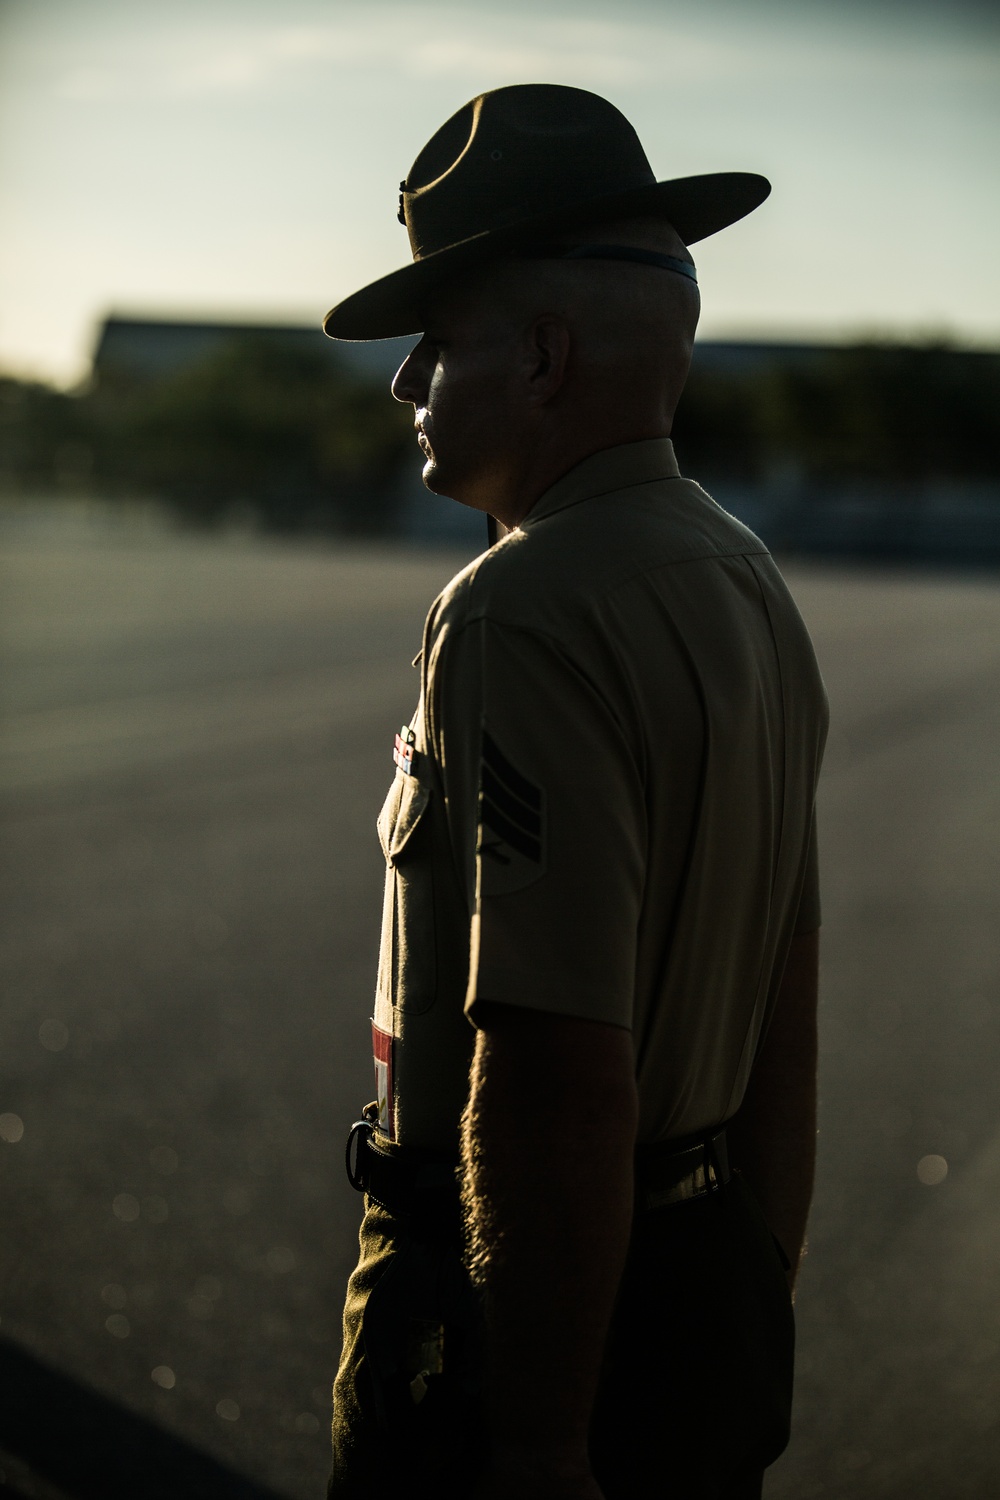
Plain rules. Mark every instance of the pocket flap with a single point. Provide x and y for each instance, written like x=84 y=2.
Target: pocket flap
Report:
x=401 y=812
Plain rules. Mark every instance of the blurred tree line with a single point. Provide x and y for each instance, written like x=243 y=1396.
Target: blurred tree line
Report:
x=284 y=433
x=264 y=427
x=890 y=413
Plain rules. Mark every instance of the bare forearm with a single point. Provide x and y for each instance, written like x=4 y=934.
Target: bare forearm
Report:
x=773 y=1137
x=548 y=1161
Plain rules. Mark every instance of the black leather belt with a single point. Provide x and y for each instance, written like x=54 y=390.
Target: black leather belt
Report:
x=405 y=1182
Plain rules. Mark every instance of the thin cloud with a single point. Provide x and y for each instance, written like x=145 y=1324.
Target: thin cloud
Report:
x=205 y=61
x=435 y=44
x=86 y=85
x=227 y=72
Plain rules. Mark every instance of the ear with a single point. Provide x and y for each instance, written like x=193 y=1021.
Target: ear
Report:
x=548 y=357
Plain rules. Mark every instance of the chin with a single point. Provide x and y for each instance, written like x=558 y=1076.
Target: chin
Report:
x=431 y=476
x=437 y=482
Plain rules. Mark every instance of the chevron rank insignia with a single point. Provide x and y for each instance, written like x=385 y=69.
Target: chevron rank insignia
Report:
x=511 y=824
x=403 y=753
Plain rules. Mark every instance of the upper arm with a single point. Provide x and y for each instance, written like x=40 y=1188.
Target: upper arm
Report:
x=547 y=819
x=809 y=912
x=792 y=1032
x=572 y=1065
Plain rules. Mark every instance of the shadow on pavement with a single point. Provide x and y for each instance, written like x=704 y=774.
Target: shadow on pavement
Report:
x=88 y=1447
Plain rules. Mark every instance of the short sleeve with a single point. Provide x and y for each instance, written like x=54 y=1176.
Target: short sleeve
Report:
x=545 y=809
x=810 y=914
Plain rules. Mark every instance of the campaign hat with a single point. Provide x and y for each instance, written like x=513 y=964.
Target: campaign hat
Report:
x=511 y=170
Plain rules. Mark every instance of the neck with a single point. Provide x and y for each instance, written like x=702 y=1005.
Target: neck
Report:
x=513 y=501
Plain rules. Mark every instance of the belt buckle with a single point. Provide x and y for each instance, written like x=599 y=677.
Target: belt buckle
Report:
x=356 y=1153
x=706 y=1176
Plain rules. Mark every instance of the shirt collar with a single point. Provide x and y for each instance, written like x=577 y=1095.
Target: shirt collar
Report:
x=602 y=473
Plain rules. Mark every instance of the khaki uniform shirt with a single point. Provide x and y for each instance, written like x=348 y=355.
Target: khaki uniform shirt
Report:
x=603 y=805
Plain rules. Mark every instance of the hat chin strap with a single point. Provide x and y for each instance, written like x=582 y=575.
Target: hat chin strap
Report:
x=616 y=252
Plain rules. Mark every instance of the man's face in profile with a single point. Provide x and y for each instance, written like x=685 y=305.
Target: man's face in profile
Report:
x=462 y=380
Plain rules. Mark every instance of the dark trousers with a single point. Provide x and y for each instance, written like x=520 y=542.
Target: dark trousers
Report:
x=695 y=1393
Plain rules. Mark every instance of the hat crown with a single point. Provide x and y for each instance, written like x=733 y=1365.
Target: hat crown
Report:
x=515 y=154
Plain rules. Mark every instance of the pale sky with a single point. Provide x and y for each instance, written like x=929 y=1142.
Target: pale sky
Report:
x=241 y=158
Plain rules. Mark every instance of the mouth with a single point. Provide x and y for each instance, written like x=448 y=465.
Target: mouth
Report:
x=423 y=442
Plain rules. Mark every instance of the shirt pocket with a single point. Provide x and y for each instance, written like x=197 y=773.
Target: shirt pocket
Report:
x=407 y=977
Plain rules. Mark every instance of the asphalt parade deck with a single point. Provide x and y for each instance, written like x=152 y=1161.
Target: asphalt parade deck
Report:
x=197 y=737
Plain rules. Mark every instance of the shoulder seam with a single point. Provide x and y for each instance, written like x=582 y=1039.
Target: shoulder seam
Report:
x=479 y=610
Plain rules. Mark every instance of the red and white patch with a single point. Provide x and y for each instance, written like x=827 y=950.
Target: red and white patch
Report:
x=382 y=1050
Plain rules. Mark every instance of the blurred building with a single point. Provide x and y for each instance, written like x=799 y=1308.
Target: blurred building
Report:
x=148 y=349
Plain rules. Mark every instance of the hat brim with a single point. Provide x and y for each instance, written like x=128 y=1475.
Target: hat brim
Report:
x=695 y=206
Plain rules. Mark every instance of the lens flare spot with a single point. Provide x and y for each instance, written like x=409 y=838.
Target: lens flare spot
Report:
x=237 y=1200
x=281 y=1259
x=931 y=1170
x=164 y=1159
x=126 y=1208
x=53 y=1035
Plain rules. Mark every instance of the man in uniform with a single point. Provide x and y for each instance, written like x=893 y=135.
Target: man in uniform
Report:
x=590 y=1160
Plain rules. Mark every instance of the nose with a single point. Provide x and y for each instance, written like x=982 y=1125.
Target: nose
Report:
x=410 y=381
